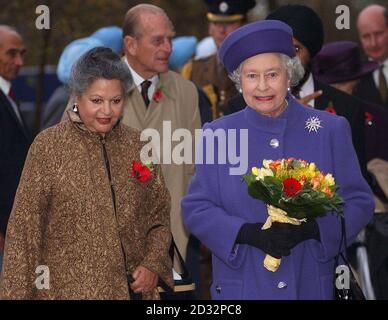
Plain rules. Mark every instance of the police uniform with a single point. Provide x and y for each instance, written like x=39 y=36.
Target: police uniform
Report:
x=208 y=72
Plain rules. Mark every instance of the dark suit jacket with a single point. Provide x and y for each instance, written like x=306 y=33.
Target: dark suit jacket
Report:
x=376 y=126
x=343 y=104
x=366 y=90
x=14 y=144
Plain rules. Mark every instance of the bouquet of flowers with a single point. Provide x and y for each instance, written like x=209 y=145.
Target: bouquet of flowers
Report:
x=294 y=190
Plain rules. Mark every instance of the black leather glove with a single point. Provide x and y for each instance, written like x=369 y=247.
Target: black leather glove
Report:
x=279 y=239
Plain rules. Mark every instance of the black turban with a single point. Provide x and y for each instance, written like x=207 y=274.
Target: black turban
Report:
x=305 y=23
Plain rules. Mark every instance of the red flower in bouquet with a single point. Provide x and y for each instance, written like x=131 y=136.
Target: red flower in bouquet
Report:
x=291 y=186
x=140 y=172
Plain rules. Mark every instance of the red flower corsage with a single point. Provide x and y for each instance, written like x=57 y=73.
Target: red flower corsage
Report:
x=140 y=172
x=158 y=95
x=368 y=118
x=330 y=108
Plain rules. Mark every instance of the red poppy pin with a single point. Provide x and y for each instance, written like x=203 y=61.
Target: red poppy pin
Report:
x=141 y=172
x=330 y=108
x=158 y=95
x=368 y=118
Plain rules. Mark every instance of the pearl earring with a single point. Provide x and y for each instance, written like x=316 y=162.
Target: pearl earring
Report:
x=240 y=90
x=75 y=107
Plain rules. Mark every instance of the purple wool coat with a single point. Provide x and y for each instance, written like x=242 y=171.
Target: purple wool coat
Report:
x=217 y=205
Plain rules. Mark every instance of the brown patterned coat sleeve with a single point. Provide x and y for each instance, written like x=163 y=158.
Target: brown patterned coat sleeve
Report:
x=24 y=233
x=158 y=225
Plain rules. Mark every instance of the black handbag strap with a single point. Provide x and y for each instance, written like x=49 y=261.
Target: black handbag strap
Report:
x=174 y=250
x=343 y=256
x=343 y=241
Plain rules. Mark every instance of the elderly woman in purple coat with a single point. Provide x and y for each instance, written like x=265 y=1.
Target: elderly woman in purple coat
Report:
x=218 y=209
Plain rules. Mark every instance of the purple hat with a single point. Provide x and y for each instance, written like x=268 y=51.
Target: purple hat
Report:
x=255 y=38
x=341 y=61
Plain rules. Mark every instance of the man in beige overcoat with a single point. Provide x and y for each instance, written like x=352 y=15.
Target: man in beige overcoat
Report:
x=147 y=35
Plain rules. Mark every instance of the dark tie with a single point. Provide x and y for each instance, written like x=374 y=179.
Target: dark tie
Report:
x=383 y=88
x=144 y=91
x=12 y=94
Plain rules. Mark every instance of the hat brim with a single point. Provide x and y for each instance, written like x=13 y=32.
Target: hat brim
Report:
x=224 y=18
x=366 y=68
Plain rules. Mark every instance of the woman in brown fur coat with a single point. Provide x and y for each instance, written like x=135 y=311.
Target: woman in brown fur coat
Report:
x=87 y=213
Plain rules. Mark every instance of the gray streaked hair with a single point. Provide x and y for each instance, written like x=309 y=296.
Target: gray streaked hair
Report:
x=294 y=68
x=98 y=63
x=132 y=25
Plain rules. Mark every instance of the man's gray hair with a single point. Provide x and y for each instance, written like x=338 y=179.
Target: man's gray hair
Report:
x=132 y=25
x=99 y=63
x=7 y=28
x=294 y=68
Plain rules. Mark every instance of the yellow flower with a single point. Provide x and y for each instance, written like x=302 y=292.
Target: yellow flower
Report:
x=264 y=173
x=255 y=171
x=312 y=167
x=329 y=180
x=266 y=163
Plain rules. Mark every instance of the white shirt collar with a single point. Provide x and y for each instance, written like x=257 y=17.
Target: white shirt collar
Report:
x=5 y=85
x=376 y=73
x=308 y=88
x=138 y=80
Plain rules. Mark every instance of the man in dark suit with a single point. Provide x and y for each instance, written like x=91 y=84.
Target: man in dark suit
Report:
x=14 y=138
x=308 y=39
x=372 y=27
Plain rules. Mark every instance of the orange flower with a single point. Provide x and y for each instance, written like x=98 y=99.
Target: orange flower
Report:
x=328 y=191
x=315 y=182
x=274 y=165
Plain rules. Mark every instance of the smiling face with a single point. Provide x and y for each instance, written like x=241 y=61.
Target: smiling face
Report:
x=101 y=105
x=148 y=52
x=264 y=83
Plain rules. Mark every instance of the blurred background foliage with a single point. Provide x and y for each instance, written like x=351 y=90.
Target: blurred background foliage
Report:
x=73 y=19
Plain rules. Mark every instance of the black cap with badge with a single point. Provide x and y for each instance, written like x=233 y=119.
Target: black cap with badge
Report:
x=228 y=10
